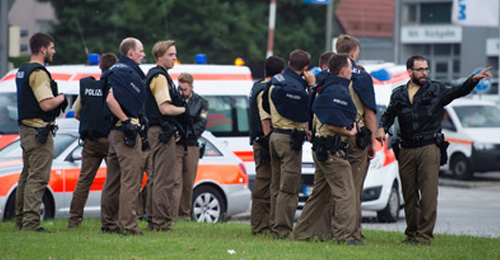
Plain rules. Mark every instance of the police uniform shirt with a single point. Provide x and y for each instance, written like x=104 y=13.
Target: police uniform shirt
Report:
x=360 y=106
x=280 y=122
x=412 y=90
x=323 y=130
x=160 y=89
x=39 y=82
x=262 y=113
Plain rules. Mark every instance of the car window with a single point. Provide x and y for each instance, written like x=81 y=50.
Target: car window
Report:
x=8 y=113
x=478 y=115
x=14 y=151
x=210 y=149
x=228 y=115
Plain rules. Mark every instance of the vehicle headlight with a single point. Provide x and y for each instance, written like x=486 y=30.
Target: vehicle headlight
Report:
x=483 y=146
x=378 y=161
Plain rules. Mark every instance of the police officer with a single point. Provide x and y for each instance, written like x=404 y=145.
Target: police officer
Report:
x=163 y=105
x=187 y=151
x=419 y=108
x=38 y=104
x=288 y=103
x=260 y=128
x=333 y=121
x=362 y=146
x=88 y=109
x=125 y=102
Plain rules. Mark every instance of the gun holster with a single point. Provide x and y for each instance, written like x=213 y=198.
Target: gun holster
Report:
x=167 y=131
x=130 y=131
x=395 y=147
x=363 y=137
x=264 y=155
x=297 y=139
x=42 y=133
x=443 y=146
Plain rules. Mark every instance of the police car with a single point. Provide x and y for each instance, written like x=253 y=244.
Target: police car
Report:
x=220 y=189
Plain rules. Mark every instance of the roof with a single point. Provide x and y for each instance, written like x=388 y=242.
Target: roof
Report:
x=366 y=18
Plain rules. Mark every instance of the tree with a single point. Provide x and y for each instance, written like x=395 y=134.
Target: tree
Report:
x=223 y=30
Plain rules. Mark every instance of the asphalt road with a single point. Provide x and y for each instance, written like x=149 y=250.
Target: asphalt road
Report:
x=464 y=208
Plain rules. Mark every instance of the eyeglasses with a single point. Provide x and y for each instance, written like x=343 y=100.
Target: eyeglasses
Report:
x=422 y=70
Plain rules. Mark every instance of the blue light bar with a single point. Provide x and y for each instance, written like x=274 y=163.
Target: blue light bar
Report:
x=200 y=59
x=381 y=75
x=93 y=59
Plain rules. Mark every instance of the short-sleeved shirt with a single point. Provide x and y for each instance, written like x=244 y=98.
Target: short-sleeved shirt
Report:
x=160 y=89
x=280 y=122
x=323 y=130
x=360 y=106
x=262 y=113
x=39 y=82
x=77 y=106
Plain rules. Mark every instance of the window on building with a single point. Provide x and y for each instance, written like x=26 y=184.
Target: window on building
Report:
x=435 y=13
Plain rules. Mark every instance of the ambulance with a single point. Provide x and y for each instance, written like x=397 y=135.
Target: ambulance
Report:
x=226 y=88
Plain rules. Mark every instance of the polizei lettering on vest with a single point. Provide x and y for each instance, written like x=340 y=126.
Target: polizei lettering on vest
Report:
x=296 y=97
x=339 y=101
x=93 y=92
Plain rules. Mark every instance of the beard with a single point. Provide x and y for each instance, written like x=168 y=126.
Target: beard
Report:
x=47 y=58
x=418 y=80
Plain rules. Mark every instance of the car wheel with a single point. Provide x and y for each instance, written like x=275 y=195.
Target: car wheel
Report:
x=46 y=209
x=390 y=213
x=208 y=205
x=461 y=168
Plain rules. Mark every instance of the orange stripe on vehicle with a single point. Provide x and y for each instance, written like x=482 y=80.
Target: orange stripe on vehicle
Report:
x=7 y=139
x=10 y=163
x=8 y=181
x=80 y=76
x=61 y=76
x=9 y=77
x=458 y=141
x=217 y=76
x=246 y=156
x=395 y=79
x=389 y=154
x=222 y=174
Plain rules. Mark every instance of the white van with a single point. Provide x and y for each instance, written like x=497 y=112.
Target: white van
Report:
x=472 y=127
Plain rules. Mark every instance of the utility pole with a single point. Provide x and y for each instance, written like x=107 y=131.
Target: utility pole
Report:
x=5 y=6
x=397 y=31
x=272 y=23
x=329 y=26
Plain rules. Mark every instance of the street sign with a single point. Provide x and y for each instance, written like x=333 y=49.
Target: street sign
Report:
x=317 y=2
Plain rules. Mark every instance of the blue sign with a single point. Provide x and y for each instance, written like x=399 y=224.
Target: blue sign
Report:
x=484 y=85
x=317 y=2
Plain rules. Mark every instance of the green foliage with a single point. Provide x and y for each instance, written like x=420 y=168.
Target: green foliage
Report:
x=17 y=61
x=223 y=30
x=193 y=240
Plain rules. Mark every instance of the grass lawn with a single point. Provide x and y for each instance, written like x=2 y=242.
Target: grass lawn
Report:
x=222 y=241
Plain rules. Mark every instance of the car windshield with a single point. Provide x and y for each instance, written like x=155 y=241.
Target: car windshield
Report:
x=478 y=115
x=210 y=149
x=8 y=113
x=228 y=115
x=14 y=151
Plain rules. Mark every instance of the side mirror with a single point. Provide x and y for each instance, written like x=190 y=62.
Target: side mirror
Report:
x=74 y=156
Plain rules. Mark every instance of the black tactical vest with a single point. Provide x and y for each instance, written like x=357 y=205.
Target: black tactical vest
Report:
x=253 y=112
x=152 y=109
x=91 y=119
x=27 y=105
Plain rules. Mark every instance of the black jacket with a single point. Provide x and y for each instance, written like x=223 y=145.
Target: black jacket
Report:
x=422 y=118
x=197 y=123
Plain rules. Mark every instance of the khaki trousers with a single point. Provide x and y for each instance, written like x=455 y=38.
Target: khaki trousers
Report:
x=162 y=179
x=358 y=159
x=144 y=199
x=419 y=171
x=92 y=155
x=122 y=185
x=185 y=166
x=34 y=178
x=332 y=179
x=261 y=194
x=286 y=166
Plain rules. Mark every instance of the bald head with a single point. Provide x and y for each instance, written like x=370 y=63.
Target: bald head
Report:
x=132 y=48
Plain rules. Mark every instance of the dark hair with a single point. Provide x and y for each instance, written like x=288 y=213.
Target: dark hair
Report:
x=325 y=57
x=299 y=59
x=127 y=44
x=39 y=40
x=107 y=60
x=274 y=65
x=337 y=62
x=346 y=43
x=410 y=62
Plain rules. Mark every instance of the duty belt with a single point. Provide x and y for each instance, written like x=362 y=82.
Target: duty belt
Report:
x=282 y=131
x=420 y=140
